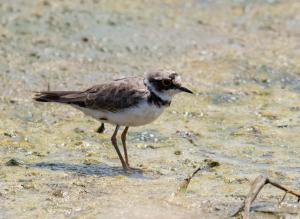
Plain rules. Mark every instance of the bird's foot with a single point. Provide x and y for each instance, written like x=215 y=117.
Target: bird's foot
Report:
x=126 y=167
x=101 y=129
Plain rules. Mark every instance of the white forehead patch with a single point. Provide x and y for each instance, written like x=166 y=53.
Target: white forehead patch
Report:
x=177 y=80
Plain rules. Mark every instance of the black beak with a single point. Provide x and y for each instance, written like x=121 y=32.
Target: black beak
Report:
x=185 y=90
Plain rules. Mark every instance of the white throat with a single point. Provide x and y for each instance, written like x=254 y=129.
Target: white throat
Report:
x=165 y=96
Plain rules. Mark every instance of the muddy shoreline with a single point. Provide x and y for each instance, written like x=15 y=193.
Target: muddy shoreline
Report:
x=240 y=57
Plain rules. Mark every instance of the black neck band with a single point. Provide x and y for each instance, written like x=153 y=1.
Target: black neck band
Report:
x=155 y=99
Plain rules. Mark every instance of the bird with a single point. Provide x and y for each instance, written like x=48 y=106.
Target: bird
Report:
x=128 y=102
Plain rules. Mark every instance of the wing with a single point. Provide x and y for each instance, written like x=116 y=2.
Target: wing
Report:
x=117 y=95
x=113 y=96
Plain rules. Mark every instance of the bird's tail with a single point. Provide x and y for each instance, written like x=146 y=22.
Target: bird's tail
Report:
x=56 y=96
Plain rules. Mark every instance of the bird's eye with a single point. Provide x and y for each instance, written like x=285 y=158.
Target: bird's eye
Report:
x=166 y=83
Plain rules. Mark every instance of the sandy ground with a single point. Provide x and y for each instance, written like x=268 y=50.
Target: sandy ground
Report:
x=242 y=59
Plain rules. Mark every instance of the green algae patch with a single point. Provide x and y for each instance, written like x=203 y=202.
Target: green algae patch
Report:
x=14 y=162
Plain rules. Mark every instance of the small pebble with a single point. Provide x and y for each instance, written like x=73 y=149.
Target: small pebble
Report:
x=78 y=130
x=28 y=185
x=177 y=152
x=85 y=39
x=59 y=193
x=150 y=146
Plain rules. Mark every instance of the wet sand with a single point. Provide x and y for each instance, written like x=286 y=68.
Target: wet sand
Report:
x=242 y=59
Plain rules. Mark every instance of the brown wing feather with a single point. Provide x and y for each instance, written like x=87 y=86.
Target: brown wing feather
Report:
x=111 y=96
x=116 y=95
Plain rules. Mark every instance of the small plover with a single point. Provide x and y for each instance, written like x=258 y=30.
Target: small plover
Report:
x=130 y=101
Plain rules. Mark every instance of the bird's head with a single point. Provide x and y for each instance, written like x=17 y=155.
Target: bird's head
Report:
x=165 y=84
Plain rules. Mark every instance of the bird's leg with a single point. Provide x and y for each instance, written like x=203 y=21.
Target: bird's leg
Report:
x=123 y=137
x=115 y=144
x=101 y=128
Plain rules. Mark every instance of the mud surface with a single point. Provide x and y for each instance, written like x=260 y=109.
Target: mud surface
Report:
x=242 y=59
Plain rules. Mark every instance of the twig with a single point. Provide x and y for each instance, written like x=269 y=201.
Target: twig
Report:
x=284 y=188
x=207 y=165
x=283 y=197
x=256 y=187
x=258 y=184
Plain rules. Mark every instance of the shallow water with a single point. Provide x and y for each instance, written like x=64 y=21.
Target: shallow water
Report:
x=240 y=57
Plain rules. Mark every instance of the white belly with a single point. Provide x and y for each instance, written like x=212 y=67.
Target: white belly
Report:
x=142 y=114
